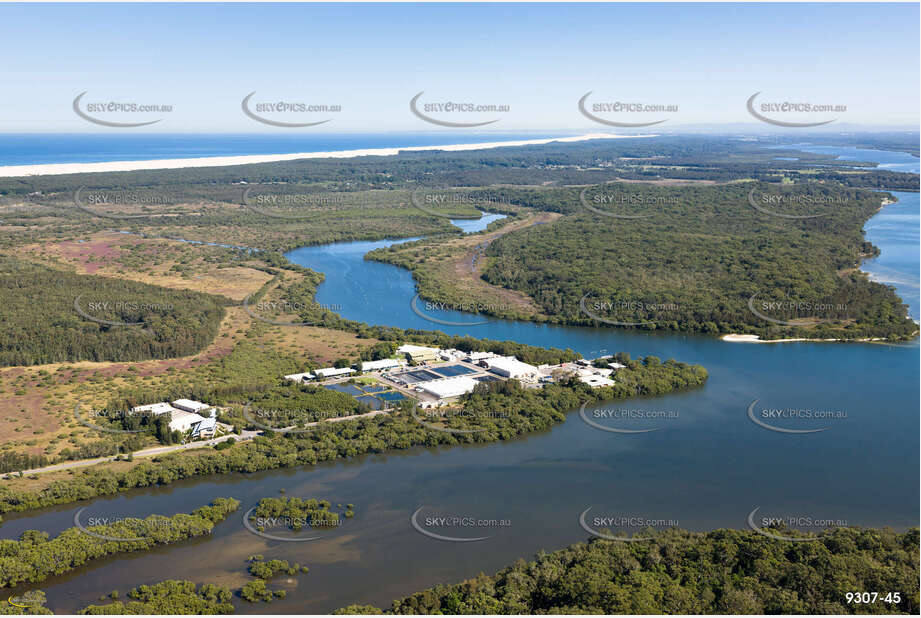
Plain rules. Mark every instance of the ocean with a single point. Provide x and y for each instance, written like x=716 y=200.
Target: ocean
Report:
x=42 y=148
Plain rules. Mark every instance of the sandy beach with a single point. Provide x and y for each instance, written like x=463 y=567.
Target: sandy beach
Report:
x=736 y=338
x=49 y=169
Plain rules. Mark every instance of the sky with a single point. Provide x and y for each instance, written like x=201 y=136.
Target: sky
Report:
x=704 y=60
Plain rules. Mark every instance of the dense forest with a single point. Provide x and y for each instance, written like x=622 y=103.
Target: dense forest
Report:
x=676 y=572
x=264 y=570
x=701 y=258
x=50 y=316
x=693 y=259
x=35 y=557
x=291 y=404
x=186 y=598
x=531 y=165
x=169 y=597
x=370 y=197
x=524 y=411
x=295 y=514
x=681 y=572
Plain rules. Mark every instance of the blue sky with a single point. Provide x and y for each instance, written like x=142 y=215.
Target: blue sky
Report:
x=538 y=59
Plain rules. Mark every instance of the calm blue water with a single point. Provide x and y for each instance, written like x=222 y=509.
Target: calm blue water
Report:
x=887 y=159
x=31 y=149
x=897 y=228
x=476 y=225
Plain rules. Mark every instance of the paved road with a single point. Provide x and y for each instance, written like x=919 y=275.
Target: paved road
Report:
x=148 y=452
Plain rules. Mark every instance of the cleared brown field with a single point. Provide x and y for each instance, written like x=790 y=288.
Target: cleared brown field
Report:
x=168 y=263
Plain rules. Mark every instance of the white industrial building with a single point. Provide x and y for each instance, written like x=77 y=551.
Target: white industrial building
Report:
x=189 y=405
x=332 y=372
x=595 y=376
x=595 y=380
x=199 y=426
x=418 y=353
x=204 y=429
x=155 y=409
x=300 y=377
x=449 y=387
x=452 y=355
x=380 y=365
x=474 y=357
x=510 y=367
x=184 y=416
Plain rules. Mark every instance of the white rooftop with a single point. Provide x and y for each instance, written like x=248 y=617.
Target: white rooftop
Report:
x=154 y=408
x=596 y=380
x=449 y=387
x=594 y=371
x=408 y=348
x=511 y=364
x=208 y=424
x=190 y=405
x=385 y=363
x=328 y=372
x=183 y=421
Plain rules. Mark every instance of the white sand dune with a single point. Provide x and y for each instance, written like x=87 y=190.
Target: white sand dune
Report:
x=736 y=338
x=47 y=169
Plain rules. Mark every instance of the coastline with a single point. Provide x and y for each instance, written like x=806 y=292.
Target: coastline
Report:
x=738 y=338
x=54 y=169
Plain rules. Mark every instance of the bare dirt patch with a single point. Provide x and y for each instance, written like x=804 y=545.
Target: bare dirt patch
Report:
x=469 y=265
x=167 y=263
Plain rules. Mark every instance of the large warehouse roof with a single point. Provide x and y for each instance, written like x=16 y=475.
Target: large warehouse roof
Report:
x=511 y=366
x=450 y=387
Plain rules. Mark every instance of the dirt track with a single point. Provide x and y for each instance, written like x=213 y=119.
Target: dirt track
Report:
x=468 y=267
